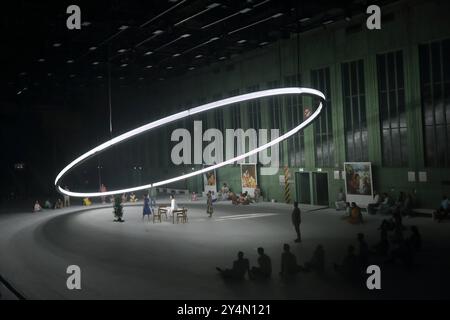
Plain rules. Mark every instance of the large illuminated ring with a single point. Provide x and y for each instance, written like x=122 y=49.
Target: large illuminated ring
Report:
x=184 y=114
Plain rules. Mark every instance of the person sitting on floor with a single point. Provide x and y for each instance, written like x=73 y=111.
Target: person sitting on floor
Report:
x=317 y=262
x=86 y=202
x=133 y=197
x=350 y=265
x=373 y=206
x=59 y=204
x=289 y=266
x=241 y=266
x=264 y=269
x=340 y=202
x=415 y=239
x=47 y=204
x=363 y=255
x=406 y=209
x=403 y=252
x=443 y=211
x=385 y=205
x=194 y=196
x=225 y=190
x=37 y=207
x=234 y=199
x=356 y=215
x=244 y=199
x=382 y=247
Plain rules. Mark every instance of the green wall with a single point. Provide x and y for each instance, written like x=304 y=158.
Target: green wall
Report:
x=412 y=23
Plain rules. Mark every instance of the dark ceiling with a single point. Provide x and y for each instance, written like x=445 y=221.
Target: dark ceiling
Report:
x=144 y=40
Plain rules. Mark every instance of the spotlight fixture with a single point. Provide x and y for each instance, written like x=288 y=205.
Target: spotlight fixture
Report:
x=41 y=60
x=184 y=114
x=176 y=55
x=123 y=27
x=95 y=63
x=148 y=53
x=242 y=41
x=122 y=50
x=70 y=61
x=148 y=67
x=198 y=56
x=57 y=45
x=123 y=65
x=92 y=48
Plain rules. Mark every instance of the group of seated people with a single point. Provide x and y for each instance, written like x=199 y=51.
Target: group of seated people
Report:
x=444 y=209
x=385 y=204
x=263 y=270
x=59 y=204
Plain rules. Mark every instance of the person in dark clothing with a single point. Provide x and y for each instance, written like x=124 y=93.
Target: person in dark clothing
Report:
x=289 y=266
x=382 y=248
x=317 y=261
x=264 y=269
x=415 y=239
x=240 y=267
x=350 y=266
x=363 y=251
x=296 y=220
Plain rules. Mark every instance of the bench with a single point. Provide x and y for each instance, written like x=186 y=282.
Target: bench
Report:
x=423 y=212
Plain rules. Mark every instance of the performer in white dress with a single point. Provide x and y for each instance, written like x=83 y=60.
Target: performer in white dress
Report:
x=173 y=205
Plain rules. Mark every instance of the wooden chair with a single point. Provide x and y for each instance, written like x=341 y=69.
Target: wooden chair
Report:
x=162 y=209
x=181 y=215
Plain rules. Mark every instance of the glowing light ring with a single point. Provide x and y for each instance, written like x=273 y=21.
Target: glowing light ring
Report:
x=184 y=114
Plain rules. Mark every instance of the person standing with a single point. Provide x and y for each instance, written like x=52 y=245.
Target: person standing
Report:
x=103 y=190
x=296 y=220
x=66 y=198
x=209 y=204
x=147 y=211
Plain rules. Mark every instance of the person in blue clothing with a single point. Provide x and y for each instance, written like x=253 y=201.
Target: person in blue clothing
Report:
x=148 y=210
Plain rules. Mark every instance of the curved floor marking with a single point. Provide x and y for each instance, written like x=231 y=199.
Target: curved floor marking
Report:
x=180 y=115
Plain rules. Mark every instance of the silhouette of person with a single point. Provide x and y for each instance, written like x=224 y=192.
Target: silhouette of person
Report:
x=415 y=239
x=240 y=267
x=350 y=265
x=264 y=269
x=382 y=247
x=289 y=266
x=317 y=261
x=147 y=210
x=363 y=250
x=296 y=220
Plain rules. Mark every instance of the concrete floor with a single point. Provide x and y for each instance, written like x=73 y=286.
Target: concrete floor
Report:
x=141 y=260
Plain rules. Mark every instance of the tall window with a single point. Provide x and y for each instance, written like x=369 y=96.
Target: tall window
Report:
x=323 y=137
x=355 y=122
x=294 y=115
x=435 y=86
x=391 y=92
x=235 y=111
x=218 y=115
x=275 y=112
x=254 y=110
